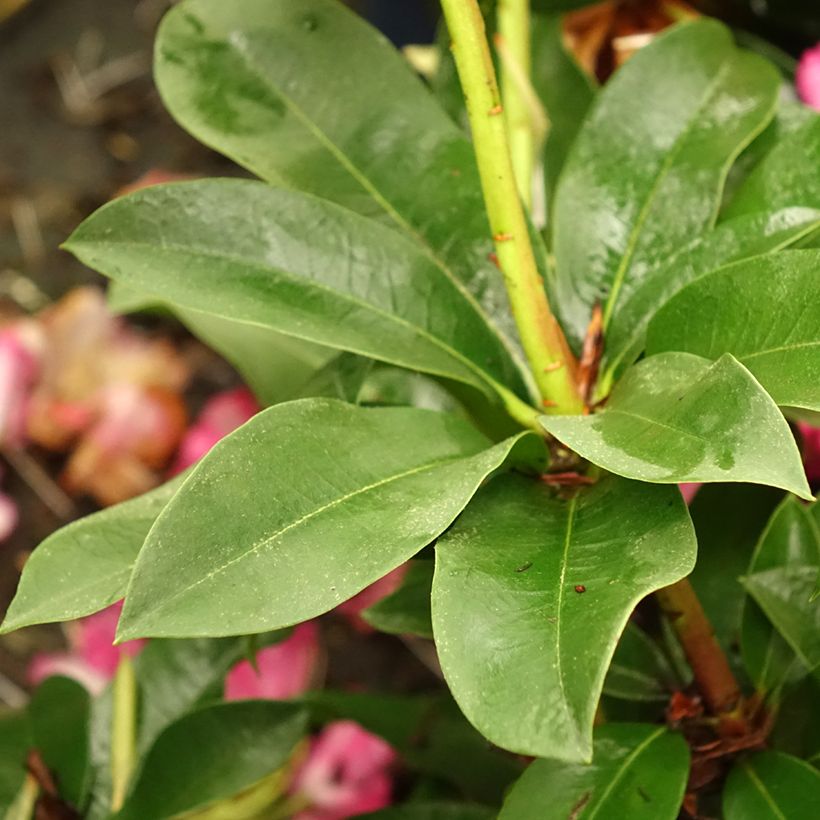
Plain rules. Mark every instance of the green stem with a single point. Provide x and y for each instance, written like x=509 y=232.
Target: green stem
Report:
x=514 y=30
x=544 y=344
x=123 y=731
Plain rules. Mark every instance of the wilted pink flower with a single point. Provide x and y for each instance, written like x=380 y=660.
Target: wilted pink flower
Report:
x=807 y=77
x=110 y=394
x=131 y=437
x=352 y=608
x=346 y=773
x=9 y=515
x=222 y=414
x=21 y=347
x=92 y=657
x=284 y=671
x=811 y=450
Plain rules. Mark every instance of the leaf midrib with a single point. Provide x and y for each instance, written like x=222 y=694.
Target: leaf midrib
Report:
x=663 y=171
x=387 y=206
x=761 y=787
x=559 y=661
x=627 y=762
x=270 y=539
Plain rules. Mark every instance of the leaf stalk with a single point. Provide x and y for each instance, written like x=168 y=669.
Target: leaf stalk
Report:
x=545 y=346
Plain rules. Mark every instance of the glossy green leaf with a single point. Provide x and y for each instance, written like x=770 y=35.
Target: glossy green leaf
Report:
x=729 y=520
x=85 y=566
x=646 y=172
x=785 y=595
x=790 y=540
x=174 y=677
x=677 y=418
x=59 y=714
x=741 y=238
x=639 y=670
x=431 y=736
x=638 y=772
x=357 y=492
x=211 y=754
x=299 y=265
x=772 y=786
x=764 y=312
x=407 y=610
x=788 y=175
x=296 y=92
x=531 y=593
x=564 y=89
x=275 y=366
x=15 y=741
x=433 y=811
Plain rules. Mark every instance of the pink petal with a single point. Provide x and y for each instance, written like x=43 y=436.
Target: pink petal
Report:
x=9 y=516
x=689 y=491
x=47 y=664
x=347 y=773
x=352 y=608
x=811 y=450
x=285 y=669
x=20 y=351
x=221 y=415
x=94 y=642
x=807 y=77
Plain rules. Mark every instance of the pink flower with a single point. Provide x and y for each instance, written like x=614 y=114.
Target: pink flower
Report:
x=92 y=657
x=136 y=430
x=21 y=348
x=807 y=77
x=221 y=415
x=811 y=450
x=352 y=608
x=9 y=515
x=346 y=773
x=284 y=671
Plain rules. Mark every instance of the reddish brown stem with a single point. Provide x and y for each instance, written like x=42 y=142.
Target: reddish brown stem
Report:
x=713 y=675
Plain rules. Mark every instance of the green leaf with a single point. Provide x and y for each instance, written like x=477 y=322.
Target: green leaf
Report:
x=59 y=717
x=790 y=540
x=213 y=754
x=785 y=595
x=275 y=366
x=357 y=492
x=176 y=676
x=728 y=519
x=639 y=670
x=296 y=93
x=677 y=418
x=15 y=741
x=772 y=786
x=85 y=566
x=645 y=175
x=638 y=772
x=299 y=265
x=433 y=811
x=741 y=238
x=564 y=89
x=764 y=312
x=786 y=176
x=531 y=593
x=407 y=610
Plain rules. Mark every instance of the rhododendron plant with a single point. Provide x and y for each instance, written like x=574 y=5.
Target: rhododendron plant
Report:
x=515 y=329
